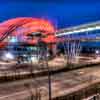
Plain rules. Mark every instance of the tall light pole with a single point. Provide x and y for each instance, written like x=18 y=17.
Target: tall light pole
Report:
x=42 y=49
x=43 y=52
x=49 y=82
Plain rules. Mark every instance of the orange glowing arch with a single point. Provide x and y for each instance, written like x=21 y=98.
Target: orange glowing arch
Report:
x=27 y=25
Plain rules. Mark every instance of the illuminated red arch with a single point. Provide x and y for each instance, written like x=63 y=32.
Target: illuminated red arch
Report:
x=28 y=25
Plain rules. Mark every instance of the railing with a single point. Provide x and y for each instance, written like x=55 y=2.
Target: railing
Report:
x=83 y=94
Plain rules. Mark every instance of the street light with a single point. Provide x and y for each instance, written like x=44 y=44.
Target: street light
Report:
x=8 y=56
x=43 y=54
x=42 y=49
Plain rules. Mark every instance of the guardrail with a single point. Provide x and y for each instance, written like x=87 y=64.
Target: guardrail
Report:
x=82 y=93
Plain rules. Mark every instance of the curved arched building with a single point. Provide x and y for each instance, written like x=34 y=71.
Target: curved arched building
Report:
x=23 y=30
x=26 y=25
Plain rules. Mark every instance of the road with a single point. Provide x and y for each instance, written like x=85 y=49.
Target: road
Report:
x=61 y=83
x=11 y=69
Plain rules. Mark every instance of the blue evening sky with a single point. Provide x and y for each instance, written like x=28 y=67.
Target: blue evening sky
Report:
x=62 y=13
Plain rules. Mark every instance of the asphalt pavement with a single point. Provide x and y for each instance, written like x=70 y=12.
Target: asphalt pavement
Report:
x=62 y=83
